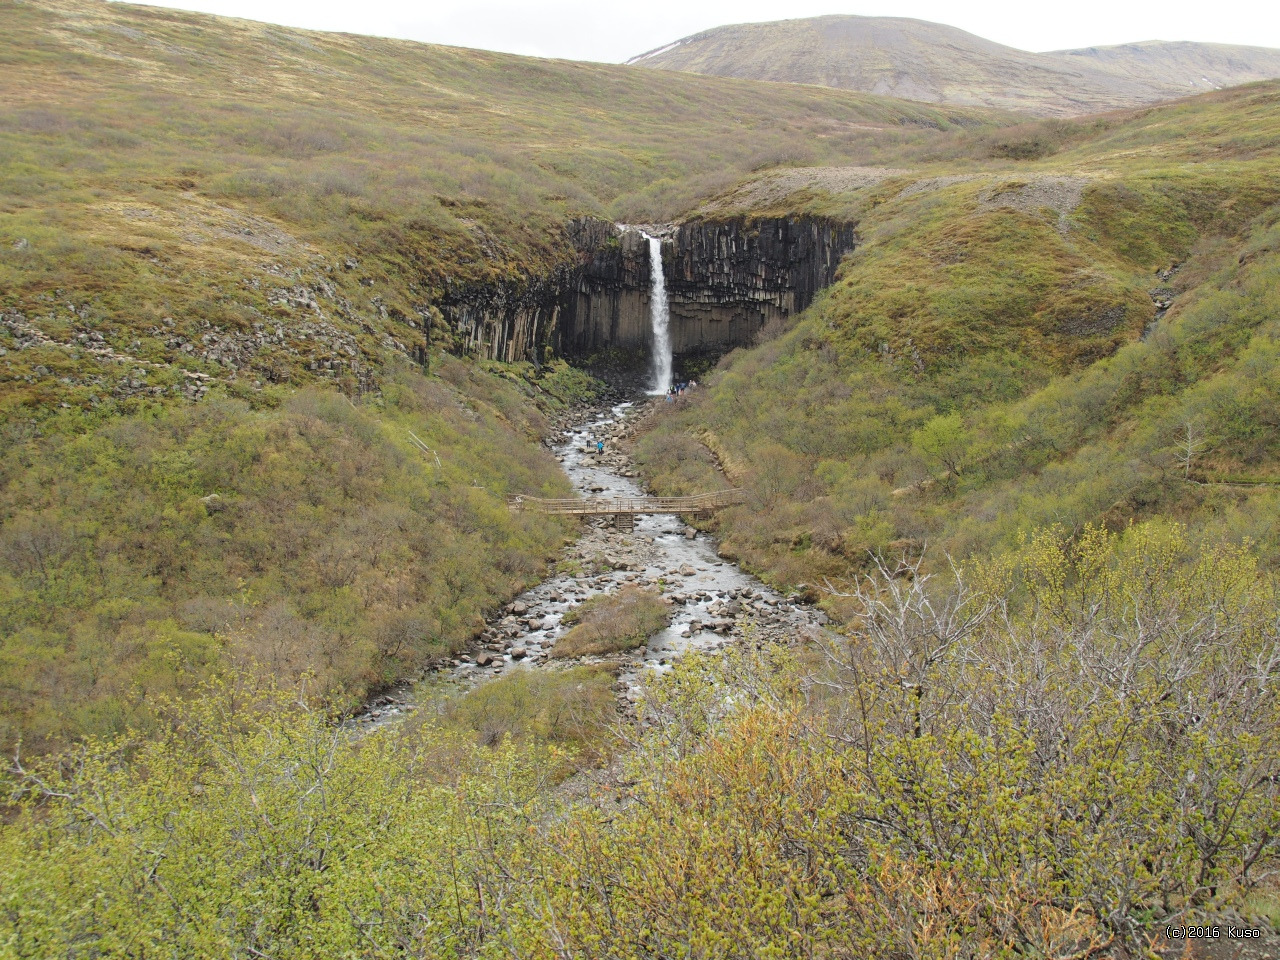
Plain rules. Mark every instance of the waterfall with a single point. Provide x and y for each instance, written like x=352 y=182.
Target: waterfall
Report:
x=659 y=318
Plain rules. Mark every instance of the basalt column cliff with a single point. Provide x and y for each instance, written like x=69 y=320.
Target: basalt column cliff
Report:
x=725 y=281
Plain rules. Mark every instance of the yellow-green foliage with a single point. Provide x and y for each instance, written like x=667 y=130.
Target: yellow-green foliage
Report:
x=1043 y=756
x=314 y=539
x=572 y=709
x=251 y=826
x=1041 y=765
x=613 y=622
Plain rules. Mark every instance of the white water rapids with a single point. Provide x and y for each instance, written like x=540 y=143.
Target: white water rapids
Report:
x=660 y=318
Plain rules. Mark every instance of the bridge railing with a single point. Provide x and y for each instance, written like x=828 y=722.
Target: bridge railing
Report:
x=699 y=503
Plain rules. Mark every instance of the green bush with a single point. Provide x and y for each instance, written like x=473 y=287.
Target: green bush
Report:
x=251 y=825
x=612 y=622
x=571 y=709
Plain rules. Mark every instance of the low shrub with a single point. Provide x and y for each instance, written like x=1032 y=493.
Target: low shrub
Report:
x=572 y=709
x=613 y=622
x=1049 y=756
x=315 y=540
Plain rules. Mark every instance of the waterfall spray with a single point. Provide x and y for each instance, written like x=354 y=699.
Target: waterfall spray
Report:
x=659 y=318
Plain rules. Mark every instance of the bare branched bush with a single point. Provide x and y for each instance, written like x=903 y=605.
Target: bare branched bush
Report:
x=33 y=546
x=1096 y=717
x=908 y=630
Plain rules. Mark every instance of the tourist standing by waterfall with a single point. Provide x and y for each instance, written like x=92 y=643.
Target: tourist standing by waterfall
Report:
x=659 y=318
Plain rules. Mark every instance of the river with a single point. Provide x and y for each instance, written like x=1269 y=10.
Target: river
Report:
x=714 y=603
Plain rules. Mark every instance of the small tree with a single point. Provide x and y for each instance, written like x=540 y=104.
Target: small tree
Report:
x=943 y=440
x=1190 y=443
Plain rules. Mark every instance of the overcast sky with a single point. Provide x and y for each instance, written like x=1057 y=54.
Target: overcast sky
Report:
x=613 y=32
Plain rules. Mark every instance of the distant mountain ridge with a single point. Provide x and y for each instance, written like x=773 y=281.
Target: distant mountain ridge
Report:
x=935 y=63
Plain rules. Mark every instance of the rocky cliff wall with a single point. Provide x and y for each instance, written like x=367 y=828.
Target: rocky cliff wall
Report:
x=606 y=298
x=727 y=280
x=508 y=321
x=724 y=282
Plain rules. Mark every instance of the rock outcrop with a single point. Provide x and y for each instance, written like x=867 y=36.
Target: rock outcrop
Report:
x=511 y=320
x=725 y=281
x=606 y=301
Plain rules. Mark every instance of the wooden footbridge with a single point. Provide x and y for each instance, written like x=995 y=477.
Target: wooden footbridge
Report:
x=625 y=509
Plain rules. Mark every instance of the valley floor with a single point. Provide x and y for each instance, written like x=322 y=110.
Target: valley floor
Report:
x=712 y=602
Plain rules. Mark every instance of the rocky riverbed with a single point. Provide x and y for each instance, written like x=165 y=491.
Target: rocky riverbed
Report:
x=713 y=602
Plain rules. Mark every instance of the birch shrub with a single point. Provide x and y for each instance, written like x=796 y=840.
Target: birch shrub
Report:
x=255 y=828
x=1050 y=755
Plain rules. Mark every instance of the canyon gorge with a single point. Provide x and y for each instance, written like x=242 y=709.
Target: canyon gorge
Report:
x=725 y=280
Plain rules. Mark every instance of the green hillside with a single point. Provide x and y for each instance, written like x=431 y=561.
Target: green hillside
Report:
x=1024 y=450
x=990 y=360
x=198 y=210
x=171 y=178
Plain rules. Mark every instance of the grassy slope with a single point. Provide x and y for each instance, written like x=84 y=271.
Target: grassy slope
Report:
x=196 y=208
x=1187 y=65
x=979 y=367
x=312 y=539
x=230 y=176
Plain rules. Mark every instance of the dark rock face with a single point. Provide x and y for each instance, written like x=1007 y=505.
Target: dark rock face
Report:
x=606 y=284
x=513 y=320
x=606 y=301
x=725 y=281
